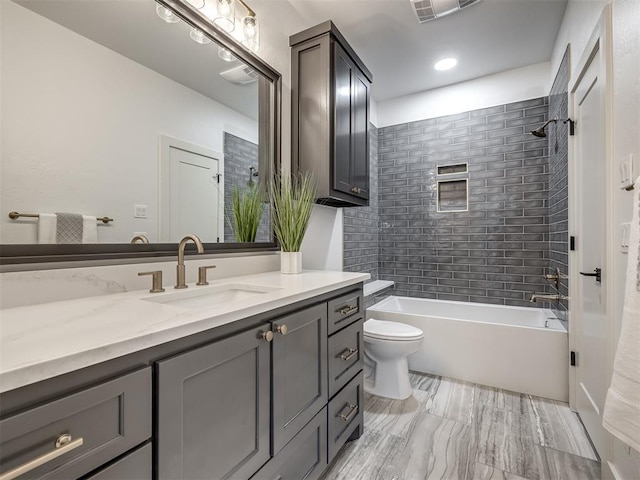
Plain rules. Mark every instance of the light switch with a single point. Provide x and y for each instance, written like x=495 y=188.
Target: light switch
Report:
x=139 y=211
x=626 y=172
x=624 y=237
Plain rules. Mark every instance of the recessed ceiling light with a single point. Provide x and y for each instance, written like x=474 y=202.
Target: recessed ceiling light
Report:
x=445 y=64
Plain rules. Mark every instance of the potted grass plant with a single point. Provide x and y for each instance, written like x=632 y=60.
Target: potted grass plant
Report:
x=247 y=207
x=292 y=199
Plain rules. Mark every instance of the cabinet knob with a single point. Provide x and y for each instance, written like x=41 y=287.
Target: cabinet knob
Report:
x=266 y=336
x=282 y=329
x=356 y=190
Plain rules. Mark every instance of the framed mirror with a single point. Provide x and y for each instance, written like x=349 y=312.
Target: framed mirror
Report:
x=141 y=114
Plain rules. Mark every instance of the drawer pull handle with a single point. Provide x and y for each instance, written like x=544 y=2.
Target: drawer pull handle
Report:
x=349 y=309
x=353 y=409
x=64 y=444
x=348 y=354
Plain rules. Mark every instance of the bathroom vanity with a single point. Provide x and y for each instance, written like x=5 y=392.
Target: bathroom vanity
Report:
x=139 y=386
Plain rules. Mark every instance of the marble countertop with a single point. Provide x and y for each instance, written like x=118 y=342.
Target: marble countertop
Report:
x=42 y=341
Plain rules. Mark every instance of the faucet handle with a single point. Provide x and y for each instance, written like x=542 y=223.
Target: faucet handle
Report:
x=202 y=274
x=156 y=280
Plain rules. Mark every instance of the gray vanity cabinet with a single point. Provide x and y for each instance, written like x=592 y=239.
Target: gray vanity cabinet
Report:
x=299 y=371
x=330 y=120
x=213 y=409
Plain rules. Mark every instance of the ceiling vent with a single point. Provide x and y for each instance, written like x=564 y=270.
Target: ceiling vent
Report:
x=427 y=10
x=240 y=75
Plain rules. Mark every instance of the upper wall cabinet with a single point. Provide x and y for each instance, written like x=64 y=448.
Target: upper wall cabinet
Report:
x=330 y=115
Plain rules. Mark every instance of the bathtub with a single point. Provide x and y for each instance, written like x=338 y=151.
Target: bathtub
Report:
x=520 y=349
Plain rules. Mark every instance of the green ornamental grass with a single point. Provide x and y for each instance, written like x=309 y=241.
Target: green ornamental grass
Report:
x=247 y=208
x=292 y=199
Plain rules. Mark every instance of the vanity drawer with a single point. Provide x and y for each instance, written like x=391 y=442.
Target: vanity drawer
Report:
x=76 y=434
x=346 y=356
x=135 y=466
x=344 y=310
x=345 y=415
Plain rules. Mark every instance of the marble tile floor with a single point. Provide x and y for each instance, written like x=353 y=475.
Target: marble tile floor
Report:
x=454 y=430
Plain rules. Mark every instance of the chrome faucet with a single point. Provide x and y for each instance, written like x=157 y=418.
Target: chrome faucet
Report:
x=548 y=298
x=180 y=273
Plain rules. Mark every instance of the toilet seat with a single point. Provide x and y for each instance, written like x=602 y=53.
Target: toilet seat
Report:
x=394 y=331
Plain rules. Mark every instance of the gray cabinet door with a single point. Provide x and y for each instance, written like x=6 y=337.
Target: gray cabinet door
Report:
x=360 y=135
x=343 y=123
x=213 y=410
x=299 y=372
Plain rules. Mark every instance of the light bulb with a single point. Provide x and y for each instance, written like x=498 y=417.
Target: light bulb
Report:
x=165 y=14
x=199 y=37
x=224 y=8
x=225 y=54
x=249 y=27
x=225 y=16
x=250 y=32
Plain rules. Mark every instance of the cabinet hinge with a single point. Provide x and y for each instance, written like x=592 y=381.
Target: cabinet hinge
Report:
x=573 y=359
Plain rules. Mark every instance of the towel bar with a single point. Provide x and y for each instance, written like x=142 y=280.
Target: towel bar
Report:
x=15 y=215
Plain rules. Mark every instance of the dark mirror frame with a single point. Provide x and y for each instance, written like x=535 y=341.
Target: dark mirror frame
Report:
x=269 y=145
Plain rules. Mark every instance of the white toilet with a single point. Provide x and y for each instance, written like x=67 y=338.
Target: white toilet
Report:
x=386 y=347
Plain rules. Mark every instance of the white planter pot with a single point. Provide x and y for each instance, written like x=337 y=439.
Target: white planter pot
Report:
x=290 y=262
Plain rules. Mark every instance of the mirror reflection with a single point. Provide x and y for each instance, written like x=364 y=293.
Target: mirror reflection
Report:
x=116 y=109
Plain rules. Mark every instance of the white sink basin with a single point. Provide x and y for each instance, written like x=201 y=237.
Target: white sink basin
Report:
x=202 y=297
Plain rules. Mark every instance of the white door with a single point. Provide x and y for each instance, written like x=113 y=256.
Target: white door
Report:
x=588 y=322
x=194 y=196
x=191 y=192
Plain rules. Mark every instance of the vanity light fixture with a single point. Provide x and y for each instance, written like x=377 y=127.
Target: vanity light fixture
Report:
x=250 y=31
x=198 y=36
x=165 y=14
x=225 y=15
x=445 y=64
x=225 y=54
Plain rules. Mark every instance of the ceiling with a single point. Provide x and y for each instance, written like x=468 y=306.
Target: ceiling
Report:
x=489 y=37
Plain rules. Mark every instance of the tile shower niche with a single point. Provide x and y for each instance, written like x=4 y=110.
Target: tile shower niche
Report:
x=453 y=188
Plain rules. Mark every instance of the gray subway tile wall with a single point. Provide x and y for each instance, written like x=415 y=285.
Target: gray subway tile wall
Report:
x=239 y=155
x=498 y=250
x=558 y=136
x=360 y=224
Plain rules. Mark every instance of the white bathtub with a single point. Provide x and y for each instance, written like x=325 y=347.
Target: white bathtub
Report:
x=495 y=345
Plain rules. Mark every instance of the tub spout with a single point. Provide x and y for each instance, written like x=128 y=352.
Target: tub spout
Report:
x=548 y=298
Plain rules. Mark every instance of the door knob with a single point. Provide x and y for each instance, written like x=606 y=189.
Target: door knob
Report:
x=596 y=273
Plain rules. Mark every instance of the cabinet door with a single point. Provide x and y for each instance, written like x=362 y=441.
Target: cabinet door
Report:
x=360 y=135
x=342 y=148
x=213 y=410
x=299 y=372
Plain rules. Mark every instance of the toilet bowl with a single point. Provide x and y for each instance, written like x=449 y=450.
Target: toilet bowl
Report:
x=387 y=346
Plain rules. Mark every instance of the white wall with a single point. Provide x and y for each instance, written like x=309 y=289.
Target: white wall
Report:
x=579 y=21
x=80 y=128
x=626 y=140
x=322 y=248
x=524 y=83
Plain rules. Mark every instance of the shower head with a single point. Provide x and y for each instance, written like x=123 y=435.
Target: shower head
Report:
x=253 y=172
x=539 y=132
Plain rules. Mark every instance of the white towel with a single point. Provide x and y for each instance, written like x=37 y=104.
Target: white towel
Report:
x=622 y=407
x=47 y=227
x=89 y=229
